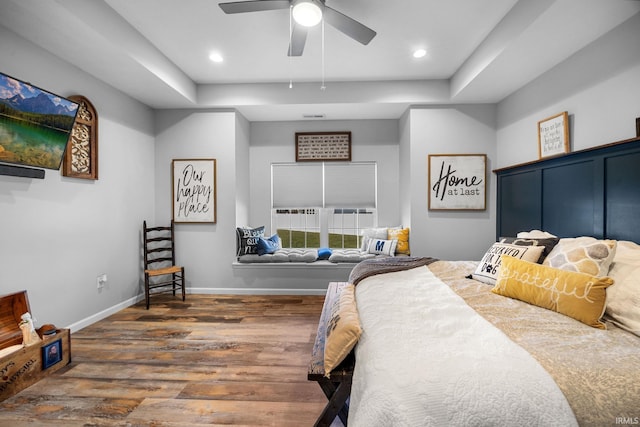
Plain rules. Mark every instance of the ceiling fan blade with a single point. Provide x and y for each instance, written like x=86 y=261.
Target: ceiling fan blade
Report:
x=298 y=39
x=254 y=6
x=350 y=27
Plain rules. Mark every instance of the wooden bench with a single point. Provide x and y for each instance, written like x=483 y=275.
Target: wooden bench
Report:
x=338 y=387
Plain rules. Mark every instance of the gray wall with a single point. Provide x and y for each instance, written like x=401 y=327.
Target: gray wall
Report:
x=464 y=129
x=58 y=234
x=205 y=250
x=599 y=87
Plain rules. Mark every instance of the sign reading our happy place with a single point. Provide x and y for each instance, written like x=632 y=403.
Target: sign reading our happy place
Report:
x=194 y=190
x=457 y=182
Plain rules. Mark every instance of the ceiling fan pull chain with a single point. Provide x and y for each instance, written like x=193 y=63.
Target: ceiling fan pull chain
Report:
x=290 y=46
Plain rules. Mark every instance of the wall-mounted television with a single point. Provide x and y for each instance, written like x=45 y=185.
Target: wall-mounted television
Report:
x=35 y=125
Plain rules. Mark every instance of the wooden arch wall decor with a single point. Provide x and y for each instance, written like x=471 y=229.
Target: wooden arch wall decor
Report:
x=81 y=157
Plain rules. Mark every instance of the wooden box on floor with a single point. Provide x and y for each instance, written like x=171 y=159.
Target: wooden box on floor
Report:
x=20 y=366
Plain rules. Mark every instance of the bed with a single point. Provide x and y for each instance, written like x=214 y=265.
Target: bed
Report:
x=438 y=345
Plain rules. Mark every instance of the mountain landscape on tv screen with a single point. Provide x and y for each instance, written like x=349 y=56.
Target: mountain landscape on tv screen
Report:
x=40 y=104
x=34 y=124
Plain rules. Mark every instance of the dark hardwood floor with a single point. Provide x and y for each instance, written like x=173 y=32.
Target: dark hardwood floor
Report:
x=214 y=360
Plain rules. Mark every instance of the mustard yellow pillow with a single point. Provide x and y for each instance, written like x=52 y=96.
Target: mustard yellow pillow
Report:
x=402 y=236
x=578 y=295
x=343 y=329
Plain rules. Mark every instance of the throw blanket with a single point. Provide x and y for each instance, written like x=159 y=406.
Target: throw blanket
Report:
x=372 y=267
x=426 y=358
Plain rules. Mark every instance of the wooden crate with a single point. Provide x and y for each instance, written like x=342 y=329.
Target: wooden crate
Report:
x=26 y=366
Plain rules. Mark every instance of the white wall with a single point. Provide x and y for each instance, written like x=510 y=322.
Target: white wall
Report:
x=371 y=140
x=404 y=130
x=463 y=129
x=205 y=250
x=599 y=87
x=58 y=234
x=243 y=171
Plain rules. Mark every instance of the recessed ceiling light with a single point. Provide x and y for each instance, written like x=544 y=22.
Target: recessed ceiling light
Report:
x=419 y=53
x=216 y=57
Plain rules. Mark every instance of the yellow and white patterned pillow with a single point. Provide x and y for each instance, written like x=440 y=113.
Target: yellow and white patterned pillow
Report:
x=577 y=295
x=582 y=254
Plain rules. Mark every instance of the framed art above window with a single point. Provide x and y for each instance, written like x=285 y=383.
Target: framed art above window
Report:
x=323 y=146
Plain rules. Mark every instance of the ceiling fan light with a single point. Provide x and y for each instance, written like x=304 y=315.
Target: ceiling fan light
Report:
x=307 y=13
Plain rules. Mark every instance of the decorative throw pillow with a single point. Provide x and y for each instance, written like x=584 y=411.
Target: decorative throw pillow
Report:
x=489 y=266
x=623 y=298
x=247 y=240
x=577 y=295
x=343 y=329
x=268 y=245
x=382 y=247
x=548 y=243
x=372 y=233
x=402 y=236
x=583 y=254
x=324 y=253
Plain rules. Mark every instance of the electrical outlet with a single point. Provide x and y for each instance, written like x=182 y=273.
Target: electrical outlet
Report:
x=101 y=281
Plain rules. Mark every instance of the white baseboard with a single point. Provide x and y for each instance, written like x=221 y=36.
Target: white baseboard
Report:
x=104 y=313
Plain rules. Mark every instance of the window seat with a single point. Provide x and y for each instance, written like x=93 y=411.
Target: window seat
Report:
x=307 y=257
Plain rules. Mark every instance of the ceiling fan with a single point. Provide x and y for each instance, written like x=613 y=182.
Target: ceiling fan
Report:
x=306 y=13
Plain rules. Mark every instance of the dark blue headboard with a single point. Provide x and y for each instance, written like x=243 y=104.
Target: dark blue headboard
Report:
x=593 y=192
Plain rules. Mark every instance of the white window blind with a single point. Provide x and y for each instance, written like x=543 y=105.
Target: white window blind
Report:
x=296 y=185
x=350 y=185
x=331 y=185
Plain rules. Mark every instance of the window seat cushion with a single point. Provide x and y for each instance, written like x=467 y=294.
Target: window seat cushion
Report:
x=353 y=256
x=282 y=255
x=349 y=255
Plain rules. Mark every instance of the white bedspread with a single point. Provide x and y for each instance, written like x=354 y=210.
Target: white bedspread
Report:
x=427 y=359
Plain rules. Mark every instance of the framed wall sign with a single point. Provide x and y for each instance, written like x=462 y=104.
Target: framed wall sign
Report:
x=553 y=135
x=194 y=190
x=457 y=181
x=323 y=146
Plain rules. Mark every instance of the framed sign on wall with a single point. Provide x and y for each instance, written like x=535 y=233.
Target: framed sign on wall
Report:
x=323 y=146
x=553 y=135
x=457 y=181
x=194 y=190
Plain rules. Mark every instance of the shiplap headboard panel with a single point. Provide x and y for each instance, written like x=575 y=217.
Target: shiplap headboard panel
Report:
x=593 y=192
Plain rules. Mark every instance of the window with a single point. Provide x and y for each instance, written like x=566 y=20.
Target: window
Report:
x=323 y=204
x=298 y=228
x=345 y=226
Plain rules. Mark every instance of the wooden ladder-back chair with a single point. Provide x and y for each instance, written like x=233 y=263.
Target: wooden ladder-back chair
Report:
x=160 y=262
